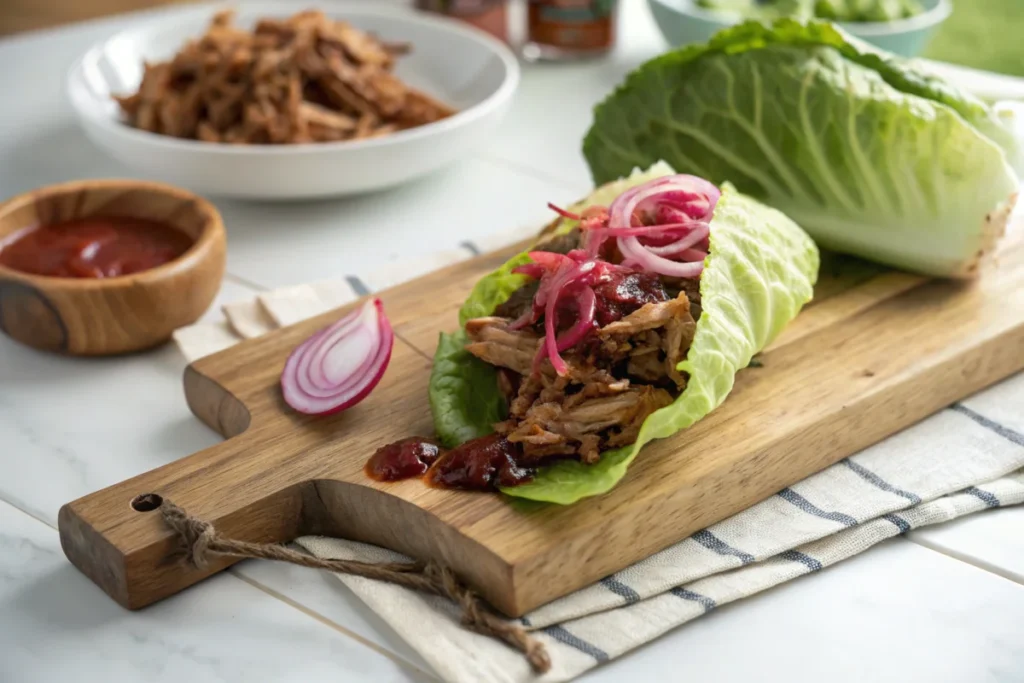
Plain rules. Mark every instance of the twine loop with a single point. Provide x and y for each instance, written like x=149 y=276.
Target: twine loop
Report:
x=202 y=542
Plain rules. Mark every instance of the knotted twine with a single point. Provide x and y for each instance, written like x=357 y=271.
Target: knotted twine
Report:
x=202 y=541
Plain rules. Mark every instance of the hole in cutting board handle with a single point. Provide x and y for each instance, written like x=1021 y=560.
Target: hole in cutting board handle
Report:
x=146 y=502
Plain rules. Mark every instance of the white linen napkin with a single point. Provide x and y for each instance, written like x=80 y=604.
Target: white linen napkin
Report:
x=268 y=311
x=965 y=459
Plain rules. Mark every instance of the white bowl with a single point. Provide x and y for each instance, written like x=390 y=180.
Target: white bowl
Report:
x=460 y=65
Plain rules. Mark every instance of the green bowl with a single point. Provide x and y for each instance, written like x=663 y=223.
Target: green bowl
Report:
x=682 y=22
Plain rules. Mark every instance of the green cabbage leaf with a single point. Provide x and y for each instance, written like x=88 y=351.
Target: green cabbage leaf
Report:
x=464 y=397
x=867 y=154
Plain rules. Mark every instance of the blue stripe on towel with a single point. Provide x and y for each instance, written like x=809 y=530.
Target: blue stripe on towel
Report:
x=869 y=476
x=1005 y=432
x=620 y=589
x=357 y=285
x=470 y=247
x=712 y=542
x=707 y=603
x=808 y=507
x=901 y=524
x=806 y=560
x=566 y=638
x=988 y=498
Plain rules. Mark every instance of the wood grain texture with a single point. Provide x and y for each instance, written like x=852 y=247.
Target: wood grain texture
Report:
x=29 y=15
x=876 y=352
x=114 y=315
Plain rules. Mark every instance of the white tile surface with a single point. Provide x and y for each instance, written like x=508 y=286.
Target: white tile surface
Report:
x=69 y=427
x=991 y=540
x=284 y=244
x=55 y=625
x=994 y=540
x=321 y=593
x=553 y=110
x=896 y=614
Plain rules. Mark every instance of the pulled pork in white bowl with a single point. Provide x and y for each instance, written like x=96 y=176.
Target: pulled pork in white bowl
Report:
x=271 y=104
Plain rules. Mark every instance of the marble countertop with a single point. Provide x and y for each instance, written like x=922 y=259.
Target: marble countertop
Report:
x=945 y=604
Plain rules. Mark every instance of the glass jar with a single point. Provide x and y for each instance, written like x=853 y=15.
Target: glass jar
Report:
x=569 y=29
x=489 y=15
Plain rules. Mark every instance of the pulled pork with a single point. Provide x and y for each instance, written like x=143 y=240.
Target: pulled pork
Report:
x=302 y=79
x=592 y=344
x=616 y=378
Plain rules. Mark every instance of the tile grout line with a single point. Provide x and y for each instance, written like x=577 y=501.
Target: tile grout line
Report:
x=28 y=514
x=487 y=158
x=280 y=597
x=245 y=282
x=986 y=567
x=518 y=167
x=330 y=623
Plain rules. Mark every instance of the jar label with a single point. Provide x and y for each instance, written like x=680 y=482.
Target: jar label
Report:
x=572 y=24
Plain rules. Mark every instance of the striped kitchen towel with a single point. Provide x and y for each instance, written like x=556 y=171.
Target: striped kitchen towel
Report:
x=965 y=459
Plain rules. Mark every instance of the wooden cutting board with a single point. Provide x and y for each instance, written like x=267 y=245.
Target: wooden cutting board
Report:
x=875 y=352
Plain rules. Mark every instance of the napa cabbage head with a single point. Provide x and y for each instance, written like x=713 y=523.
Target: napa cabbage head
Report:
x=867 y=154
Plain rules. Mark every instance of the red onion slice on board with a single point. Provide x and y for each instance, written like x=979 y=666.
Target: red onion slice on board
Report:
x=339 y=366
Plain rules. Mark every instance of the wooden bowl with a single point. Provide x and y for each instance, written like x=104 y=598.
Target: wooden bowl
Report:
x=92 y=317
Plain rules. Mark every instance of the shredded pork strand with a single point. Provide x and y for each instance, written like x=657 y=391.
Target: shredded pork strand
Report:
x=492 y=341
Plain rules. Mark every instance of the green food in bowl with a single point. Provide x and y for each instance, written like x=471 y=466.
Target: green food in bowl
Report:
x=868 y=155
x=685 y=22
x=835 y=10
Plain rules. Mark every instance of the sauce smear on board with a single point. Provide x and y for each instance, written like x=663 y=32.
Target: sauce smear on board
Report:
x=95 y=247
x=482 y=464
x=403 y=459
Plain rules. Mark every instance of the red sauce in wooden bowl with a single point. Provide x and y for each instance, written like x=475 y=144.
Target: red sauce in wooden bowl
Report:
x=96 y=247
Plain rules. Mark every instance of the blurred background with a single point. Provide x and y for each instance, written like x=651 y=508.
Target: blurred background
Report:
x=983 y=34
x=27 y=15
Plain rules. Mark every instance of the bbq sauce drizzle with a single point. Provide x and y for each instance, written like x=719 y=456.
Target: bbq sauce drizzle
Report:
x=483 y=464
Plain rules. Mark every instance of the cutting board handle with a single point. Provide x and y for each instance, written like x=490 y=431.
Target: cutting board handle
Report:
x=118 y=539
x=117 y=536
x=255 y=488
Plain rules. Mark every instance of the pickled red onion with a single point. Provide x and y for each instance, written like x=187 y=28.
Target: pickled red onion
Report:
x=340 y=365
x=661 y=227
x=563 y=213
x=586 y=310
x=635 y=253
x=566 y=281
x=693 y=189
x=666 y=217
x=647 y=230
x=678 y=247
